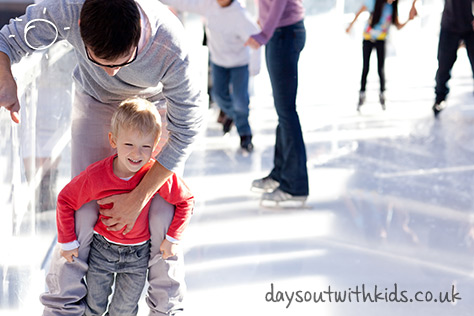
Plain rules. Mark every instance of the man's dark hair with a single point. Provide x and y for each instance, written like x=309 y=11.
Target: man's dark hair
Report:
x=110 y=28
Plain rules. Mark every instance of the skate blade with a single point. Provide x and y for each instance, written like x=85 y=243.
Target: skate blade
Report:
x=295 y=203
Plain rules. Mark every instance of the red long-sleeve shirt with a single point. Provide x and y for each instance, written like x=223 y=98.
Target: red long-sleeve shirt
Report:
x=99 y=181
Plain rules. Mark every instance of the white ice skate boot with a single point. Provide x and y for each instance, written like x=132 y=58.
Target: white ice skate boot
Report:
x=266 y=184
x=279 y=196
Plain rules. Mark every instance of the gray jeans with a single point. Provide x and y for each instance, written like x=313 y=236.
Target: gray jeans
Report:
x=65 y=281
x=127 y=266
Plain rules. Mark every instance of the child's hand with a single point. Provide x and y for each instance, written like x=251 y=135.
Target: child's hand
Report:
x=252 y=43
x=168 y=249
x=69 y=254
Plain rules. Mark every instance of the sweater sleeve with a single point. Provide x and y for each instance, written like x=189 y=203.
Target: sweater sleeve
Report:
x=269 y=26
x=175 y=192
x=174 y=65
x=75 y=194
x=186 y=106
x=42 y=25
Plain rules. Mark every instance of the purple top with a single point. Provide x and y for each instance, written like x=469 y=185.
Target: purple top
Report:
x=277 y=13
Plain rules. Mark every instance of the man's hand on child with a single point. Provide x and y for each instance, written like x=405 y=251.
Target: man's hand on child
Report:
x=168 y=249
x=70 y=254
x=123 y=213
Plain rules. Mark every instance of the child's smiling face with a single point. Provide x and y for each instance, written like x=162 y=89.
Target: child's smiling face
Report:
x=134 y=150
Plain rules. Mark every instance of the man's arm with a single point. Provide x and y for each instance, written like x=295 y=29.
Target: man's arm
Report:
x=413 y=11
x=8 y=89
x=20 y=37
x=130 y=205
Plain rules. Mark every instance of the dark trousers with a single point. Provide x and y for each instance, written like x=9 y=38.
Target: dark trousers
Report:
x=367 y=47
x=282 y=54
x=447 y=54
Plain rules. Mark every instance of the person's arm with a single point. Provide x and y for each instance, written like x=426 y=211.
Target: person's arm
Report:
x=8 y=89
x=411 y=16
x=413 y=11
x=274 y=16
x=362 y=9
x=130 y=205
x=75 y=194
x=175 y=192
x=38 y=28
x=399 y=25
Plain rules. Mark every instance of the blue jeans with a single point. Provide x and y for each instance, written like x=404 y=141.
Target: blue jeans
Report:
x=282 y=53
x=230 y=91
x=127 y=265
x=447 y=55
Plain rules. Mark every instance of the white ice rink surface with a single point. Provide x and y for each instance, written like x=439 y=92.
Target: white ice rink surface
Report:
x=391 y=195
x=390 y=213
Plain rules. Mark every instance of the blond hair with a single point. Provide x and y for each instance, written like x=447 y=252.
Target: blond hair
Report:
x=137 y=114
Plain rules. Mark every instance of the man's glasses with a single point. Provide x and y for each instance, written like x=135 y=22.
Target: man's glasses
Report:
x=112 y=66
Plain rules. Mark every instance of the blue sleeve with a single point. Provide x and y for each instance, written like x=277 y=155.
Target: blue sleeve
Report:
x=370 y=4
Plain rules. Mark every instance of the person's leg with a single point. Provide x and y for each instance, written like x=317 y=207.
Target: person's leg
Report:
x=165 y=277
x=447 y=55
x=380 y=47
x=367 y=47
x=220 y=89
x=100 y=276
x=130 y=279
x=272 y=61
x=282 y=55
x=469 y=42
x=239 y=80
x=66 y=287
